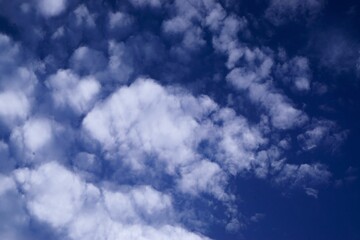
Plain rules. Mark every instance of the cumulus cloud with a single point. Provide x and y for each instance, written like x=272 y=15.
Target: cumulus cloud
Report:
x=212 y=179
x=37 y=140
x=17 y=83
x=68 y=90
x=14 y=107
x=51 y=8
x=15 y=223
x=71 y=204
x=146 y=119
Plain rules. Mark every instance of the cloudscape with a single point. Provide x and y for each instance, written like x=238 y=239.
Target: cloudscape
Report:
x=179 y=119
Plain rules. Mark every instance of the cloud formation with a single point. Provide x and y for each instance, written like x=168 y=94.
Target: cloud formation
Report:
x=137 y=119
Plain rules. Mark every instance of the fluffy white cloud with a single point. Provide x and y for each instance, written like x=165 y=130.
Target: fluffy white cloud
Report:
x=203 y=176
x=14 y=107
x=253 y=74
x=283 y=115
x=51 y=8
x=14 y=220
x=6 y=184
x=145 y=119
x=70 y=90
x=119 y=20
x=37 y=139
x=147 y=126
x=120 y=67
x=52 y=199
x=17 y=83
x=85 y=211
x=236 y=142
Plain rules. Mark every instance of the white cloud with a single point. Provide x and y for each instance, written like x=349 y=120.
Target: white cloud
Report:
x=305 y=175
x=52 y=199
x=120 y=20
x=14 y=221
x=37 y=140
x=236 y=142
x=149 y=126
x=203 y=176
x=120 y=67
x=6 y=184
x=14 y=107
x=282 y=113
x=70 y=90
x=51 y=8
x=145 y=119
x=85 y=211
x=17 y=83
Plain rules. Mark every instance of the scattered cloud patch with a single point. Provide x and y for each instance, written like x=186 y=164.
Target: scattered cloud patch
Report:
x=51 y=8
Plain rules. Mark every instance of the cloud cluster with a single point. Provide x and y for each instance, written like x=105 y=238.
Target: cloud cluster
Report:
x=81 y=210
x=115 y=127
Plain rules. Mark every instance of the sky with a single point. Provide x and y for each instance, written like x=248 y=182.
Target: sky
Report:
x=179 y=119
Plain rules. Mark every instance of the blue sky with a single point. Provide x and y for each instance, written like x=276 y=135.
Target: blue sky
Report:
x=181 y=119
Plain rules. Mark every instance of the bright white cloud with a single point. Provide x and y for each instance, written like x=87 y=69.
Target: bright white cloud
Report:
x=14 y=221
x=14 y=107
x=85 y=211
x=36 y=140
x=147 y=122
x=17 y=83
x=203 y=176
x=70 y=90
x=51 y=8
x=145 y=119
x=237 y=142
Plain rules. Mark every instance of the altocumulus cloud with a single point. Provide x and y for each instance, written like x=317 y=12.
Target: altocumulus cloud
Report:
x=109 y=130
